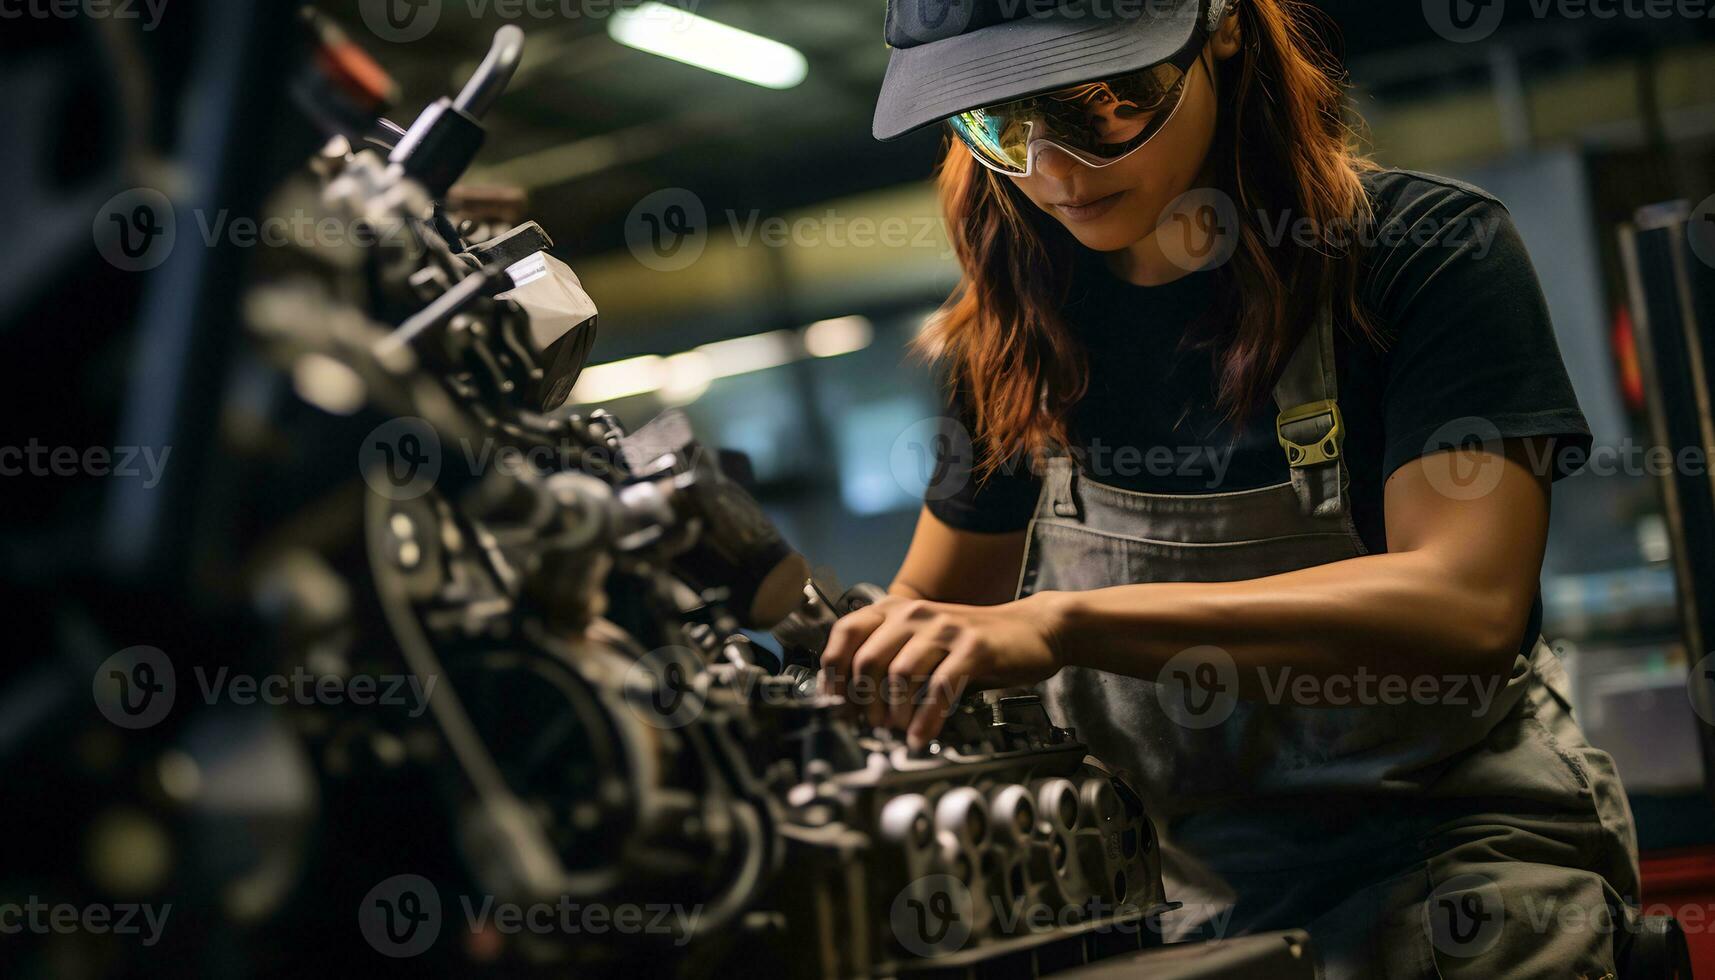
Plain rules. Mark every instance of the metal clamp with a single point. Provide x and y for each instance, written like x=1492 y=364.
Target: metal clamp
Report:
x=1323 y=450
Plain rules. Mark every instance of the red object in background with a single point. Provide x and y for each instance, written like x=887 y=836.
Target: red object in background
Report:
x=1623 y=338
x=1684 y=882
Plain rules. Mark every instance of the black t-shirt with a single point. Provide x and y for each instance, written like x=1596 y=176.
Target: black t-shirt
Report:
x=1466 y=334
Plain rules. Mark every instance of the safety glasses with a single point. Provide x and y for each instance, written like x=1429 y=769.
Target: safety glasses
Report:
x=1099 y=122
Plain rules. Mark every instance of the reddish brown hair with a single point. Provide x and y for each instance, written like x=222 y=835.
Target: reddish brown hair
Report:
x=1021 y=368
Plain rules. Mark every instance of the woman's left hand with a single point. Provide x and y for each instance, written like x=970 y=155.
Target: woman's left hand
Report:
x=906 y=662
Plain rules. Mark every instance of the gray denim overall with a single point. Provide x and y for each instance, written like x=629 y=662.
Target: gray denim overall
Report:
x=1419 y=832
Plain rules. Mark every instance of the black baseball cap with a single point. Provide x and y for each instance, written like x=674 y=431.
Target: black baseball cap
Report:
x=953 y=55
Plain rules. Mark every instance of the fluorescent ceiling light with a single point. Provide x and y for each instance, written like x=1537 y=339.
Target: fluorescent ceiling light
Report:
x=688 y=376
x=620 y=379
x=843 y=335
x=710 y=45
x=682 y=378
x=757 y=352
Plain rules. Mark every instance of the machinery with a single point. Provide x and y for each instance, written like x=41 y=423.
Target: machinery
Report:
x=612 y=736
x=544 y=732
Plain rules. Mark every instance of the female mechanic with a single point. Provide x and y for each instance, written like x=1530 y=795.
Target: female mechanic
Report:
x=1262 y=445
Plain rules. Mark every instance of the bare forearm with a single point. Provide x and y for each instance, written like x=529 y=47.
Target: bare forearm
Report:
x=1399 y=613
x=905 y=590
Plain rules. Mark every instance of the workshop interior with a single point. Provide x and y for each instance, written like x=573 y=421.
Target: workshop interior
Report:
x=444 y=433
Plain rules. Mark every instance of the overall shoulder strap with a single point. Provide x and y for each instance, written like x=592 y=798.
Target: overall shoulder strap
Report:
x=1309 y=427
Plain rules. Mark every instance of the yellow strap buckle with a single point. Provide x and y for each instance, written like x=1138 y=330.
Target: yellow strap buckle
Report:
x=1326 y=449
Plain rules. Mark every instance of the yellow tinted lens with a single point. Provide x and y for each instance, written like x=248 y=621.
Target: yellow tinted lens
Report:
x=997 y=137
x=1105 y=119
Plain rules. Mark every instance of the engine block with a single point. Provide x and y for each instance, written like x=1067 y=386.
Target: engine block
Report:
x=1003 y=838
